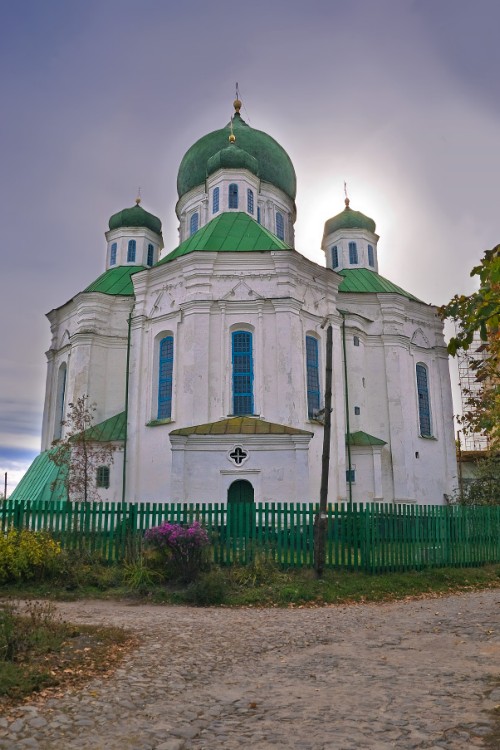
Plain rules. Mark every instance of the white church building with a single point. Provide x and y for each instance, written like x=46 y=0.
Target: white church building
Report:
x=206 y=362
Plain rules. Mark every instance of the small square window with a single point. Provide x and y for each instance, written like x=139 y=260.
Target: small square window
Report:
x=102 y=477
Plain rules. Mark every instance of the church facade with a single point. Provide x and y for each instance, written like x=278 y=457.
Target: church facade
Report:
x=206 y=363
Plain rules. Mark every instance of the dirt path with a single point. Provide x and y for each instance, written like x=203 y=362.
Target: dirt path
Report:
x=414 y=674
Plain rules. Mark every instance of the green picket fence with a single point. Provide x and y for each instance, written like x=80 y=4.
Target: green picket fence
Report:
x=372 y=537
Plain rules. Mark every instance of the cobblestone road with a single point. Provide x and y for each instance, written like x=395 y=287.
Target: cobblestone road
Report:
x=415 y=674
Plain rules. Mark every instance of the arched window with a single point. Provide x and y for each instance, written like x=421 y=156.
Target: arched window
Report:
x=280 y=226
x=165 y=377
x=60 y=397
x=312 y=365
x=371 y=261
x=151 y=255
x=242 y=362
x=131 y=251
x=193 y=223
x=355 y=340
x=102 y=477
x=353 y=253
x=424 y=407
x=233 y=195
x=250 y=201
x=112 y=255
x=215 y=200
x=335 y=256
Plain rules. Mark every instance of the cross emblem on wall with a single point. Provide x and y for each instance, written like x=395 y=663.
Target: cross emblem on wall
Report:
x=238 y=455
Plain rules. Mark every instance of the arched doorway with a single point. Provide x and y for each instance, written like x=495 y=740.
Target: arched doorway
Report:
x=241 y=509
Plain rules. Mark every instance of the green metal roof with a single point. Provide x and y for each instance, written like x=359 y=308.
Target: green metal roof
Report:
x=43 y=481
x=349 y=219
x=363 y=280
x=361 y=438
x=274 y=163
x=112 y=429
x=229 y=232
x=232 y=157
x=135 y=217
x=240 y=426
x=115 y=281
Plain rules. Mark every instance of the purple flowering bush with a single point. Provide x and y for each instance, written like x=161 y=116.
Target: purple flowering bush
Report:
x=180 y=547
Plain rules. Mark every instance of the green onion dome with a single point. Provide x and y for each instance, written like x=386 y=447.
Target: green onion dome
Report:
x=273 y=163
x=232 y=157
x=349 y=219
x=135 y=217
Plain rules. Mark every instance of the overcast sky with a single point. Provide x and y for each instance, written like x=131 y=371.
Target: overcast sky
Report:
x=400 y=98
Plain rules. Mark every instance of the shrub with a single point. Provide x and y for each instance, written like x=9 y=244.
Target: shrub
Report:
x=27 y=554
x=181 y=548
x=210 y=588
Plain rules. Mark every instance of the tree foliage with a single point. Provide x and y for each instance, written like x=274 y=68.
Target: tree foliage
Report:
x=480 y=311
x=79 y=453
x=484 y=489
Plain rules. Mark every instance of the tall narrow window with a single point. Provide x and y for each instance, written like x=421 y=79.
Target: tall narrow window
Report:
x=335 y=256
x=60 y=397
x=353 y=253
x=151 y=254
x=312 y=365
x=233 y=195
x=131 y=251
x=424 y=408
x=165 y=377
x=371 y=261
x=112 y=255
x=355 y=340
x=250 y=201
x=242 y=361
x=215 y=200
x=280 y=226
x=193 y=223
x=102 y=477
x=258 y=214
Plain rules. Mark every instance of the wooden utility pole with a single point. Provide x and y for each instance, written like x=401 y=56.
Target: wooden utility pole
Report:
x=320 y=521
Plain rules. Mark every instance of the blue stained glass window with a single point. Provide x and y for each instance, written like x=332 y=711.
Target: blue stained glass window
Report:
x=215 y=200
x=280 y=226
x=242 y=361
x=250 y=201
x=233 y=195
x=371 y=261
x=131 y=251
x=151 y=255
x=312 y=367
x=424 y=409
x=165 y=377
x=112 y=255
x=353 y=253
x=335 y=256
x=193 y=223
x=258 y=214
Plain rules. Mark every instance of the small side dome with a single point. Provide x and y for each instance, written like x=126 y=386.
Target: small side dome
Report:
x=135 y=217
x=232 y=157
x=349 y=219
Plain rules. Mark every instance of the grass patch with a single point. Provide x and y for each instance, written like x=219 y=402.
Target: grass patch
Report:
x=39 y=651
x=261 y=583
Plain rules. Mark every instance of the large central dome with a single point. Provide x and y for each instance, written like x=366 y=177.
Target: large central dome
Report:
x=274 y=164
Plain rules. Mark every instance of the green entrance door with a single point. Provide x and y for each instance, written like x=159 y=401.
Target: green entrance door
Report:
x=241 y=509
x=240 y=491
